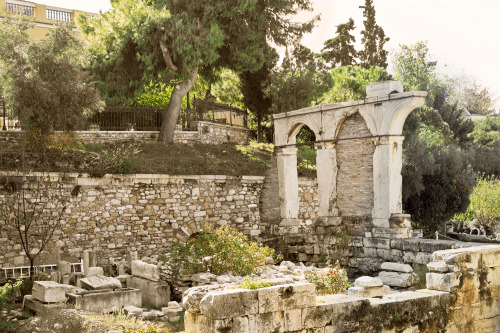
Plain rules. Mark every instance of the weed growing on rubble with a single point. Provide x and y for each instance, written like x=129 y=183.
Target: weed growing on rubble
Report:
x=218 y=251
x=330 y=280
x=254 y=284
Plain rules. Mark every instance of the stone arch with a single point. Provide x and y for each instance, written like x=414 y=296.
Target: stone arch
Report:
x=294 y=125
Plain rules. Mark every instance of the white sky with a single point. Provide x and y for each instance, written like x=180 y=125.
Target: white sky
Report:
x=464 y=35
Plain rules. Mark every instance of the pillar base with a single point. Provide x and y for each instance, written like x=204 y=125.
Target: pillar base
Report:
x=328 y=221
x=391 y=233
x=400 y=221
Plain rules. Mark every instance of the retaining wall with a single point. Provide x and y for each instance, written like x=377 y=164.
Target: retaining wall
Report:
x=462 y=295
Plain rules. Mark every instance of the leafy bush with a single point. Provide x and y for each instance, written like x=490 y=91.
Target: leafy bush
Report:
x=330 y=280
x=121 y=158
x=484 y=203
x=218 y=251
x=8 y=289
x=254 y=284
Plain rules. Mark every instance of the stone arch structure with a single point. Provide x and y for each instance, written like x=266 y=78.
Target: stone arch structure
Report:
x=380 y=117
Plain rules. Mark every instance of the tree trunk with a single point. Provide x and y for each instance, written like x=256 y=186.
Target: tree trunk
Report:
x=259 y=127
x=174 y=108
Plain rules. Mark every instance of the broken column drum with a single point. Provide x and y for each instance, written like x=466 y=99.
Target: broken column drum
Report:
x=359 y=158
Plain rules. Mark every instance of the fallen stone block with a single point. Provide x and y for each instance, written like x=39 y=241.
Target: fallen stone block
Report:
x=147 y=271
x=395 y=279
x=38 y=307
x=229 y=303
x=396 y=267
x=49 y=291
x=94 y=271
x=100 y=283
x=369 y=291
x=204 y=278
x=105 y=301
x=133 y=311
x=368 y=281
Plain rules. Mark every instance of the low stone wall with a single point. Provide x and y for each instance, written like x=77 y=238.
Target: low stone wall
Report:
x=207 y=132
x=120 y=213
x=462 y=295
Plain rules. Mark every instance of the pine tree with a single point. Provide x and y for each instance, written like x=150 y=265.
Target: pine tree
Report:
x=373 y=39
x=340 y=51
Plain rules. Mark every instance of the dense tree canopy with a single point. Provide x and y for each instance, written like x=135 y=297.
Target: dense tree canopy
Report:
x=340 y=49
x=374 y=39
x=141 y=39
x=44 y=80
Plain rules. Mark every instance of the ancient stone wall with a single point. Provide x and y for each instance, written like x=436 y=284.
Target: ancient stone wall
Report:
x=206 y=132
x=355 y=168
x=115 y=214
x=462 y=295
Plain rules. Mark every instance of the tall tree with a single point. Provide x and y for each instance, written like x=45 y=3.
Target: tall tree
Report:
x=373 y=39
x=46 y=82
x=189 y=37
x=340 y=51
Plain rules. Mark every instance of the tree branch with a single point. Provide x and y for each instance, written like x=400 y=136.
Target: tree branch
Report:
x=167 y=57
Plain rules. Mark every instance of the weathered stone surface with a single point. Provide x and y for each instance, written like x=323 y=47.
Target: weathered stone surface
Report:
x=285 y=297
x=396 y=267
x=368 y=291
x=442 y=282
x=204 y=277
x=49 y=291
x=154 y=293
x=132 y=310
x=396 y=279
x=230 y=303
x=100 y=283
x=368 y=281
x=145 y=270
x=94 y=271
x=438 y=266
x=106 y=301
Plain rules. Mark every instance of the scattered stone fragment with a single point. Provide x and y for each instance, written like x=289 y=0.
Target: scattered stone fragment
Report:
x=368 y=281
x=396 y=267
x=100 y=283
x=395 y=279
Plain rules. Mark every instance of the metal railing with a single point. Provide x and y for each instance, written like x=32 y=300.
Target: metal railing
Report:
x=14 y=8
x=15 y=272
x=58 y=15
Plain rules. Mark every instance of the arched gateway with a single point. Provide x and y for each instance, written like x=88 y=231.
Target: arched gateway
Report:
x=359 y=158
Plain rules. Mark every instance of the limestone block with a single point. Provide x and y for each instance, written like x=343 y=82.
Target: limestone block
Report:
x=377 y=243
x=285 y=297
x=107 y=301
x=369 y=291
x=49 y=291
x=132 y=310
x=391 y=233
x=396 y=279
x=383 y=88
x=64 y=267
x=100 y=283
x=396 y=267
x=154 y=293
x=266 y=322
x=293 y=320
x=442 y=282
x=230 y=303
x=204 y=278
x=439 y=266
x=144 y=270
x=317 y=316
x=368 y=281
x=94 y=271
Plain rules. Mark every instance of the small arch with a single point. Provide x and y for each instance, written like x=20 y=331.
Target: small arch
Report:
x=294 y=127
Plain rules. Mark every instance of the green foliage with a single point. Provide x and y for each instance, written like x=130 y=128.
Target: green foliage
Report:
x=487 y=132
x=218 y=251
x=45 y=81
x=300 y=81
x=350 y=83
x=412 y=66
x=374 y=39
x=121 y=158
x=419 y=279
x=340 y=50
x=227 y=88
x=437 y=181
x=254 y=284
x=330 y=280
x=485 y=201
x=8 y=289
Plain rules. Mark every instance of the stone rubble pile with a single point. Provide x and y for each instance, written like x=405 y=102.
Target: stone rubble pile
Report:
x=169 y=313
x=396 y=275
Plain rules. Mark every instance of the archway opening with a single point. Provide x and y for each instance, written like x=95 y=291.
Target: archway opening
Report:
x=306 y=153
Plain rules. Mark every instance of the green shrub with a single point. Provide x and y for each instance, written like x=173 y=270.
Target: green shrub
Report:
x=219 y=251
x=121 y=158
x=484 y=203
x=8 y=289
x=254 y=284
x=330 y=280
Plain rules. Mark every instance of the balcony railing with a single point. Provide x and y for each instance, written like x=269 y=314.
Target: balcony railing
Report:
x=14 y=8
x=58 y=15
